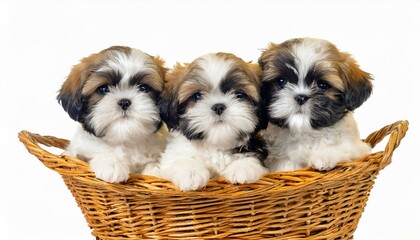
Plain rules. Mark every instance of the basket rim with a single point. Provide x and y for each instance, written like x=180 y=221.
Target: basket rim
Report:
x=78 y=169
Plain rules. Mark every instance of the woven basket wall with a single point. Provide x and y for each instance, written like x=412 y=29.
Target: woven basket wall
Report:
x=304 y=204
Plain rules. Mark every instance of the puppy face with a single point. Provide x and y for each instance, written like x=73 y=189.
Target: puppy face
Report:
x=113 y=93
x=214 y=99
x=310 y=84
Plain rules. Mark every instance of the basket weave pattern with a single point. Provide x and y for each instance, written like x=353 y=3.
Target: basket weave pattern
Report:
x=304 y=204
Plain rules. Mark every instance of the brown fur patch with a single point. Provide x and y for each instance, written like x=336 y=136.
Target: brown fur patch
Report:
x=173 y=80
x=79 y=74
x=351 y=73
x=160 y=63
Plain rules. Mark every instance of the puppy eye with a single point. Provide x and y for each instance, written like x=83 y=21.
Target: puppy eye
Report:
x=240 y=95
x=144 y=88
x=197 y=96
x=323 y=85
x=281 y=82
x=104 y=89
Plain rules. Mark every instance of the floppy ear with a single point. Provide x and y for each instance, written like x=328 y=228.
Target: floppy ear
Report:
x=161 y=65
x=358 y=83
x=266 y=54
x=264 y=92
x=263 y=106
x=261 y=113
x=256 y=70
x=266 y=86
x=168 y=103
x=70 y=94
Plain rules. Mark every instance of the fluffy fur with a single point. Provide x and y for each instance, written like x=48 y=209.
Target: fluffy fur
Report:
x=212 y=107
x=113 y=94
x=310 y=91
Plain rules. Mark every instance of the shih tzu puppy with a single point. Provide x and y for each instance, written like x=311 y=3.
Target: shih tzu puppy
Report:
x=212 y=108
x=310 y=90
x=113 y=94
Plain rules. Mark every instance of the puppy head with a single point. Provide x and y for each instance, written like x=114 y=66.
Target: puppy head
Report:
x=214 y=99
x=114 y=93
x=308 y=83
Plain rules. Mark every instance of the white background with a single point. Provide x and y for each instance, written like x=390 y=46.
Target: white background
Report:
x=40 y=41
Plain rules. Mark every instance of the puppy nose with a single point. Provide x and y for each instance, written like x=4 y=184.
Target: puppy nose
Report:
x=301 y=99
x=124 y=103
x=218 y=108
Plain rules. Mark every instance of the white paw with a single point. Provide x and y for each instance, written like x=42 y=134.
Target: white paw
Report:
x=283 y=165
x=323 y=163
x=191 y=178
x=246 y=170
x=152 y=169
x=110 y=170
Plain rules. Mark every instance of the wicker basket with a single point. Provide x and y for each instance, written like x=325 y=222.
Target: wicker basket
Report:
x=303 y=204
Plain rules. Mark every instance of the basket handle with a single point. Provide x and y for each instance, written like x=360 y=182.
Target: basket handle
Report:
x=65 y=165
x=396 y=132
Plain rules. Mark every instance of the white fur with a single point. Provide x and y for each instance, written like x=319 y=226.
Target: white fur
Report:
x=298 y=116
x=222 y=130
x=191 y=164
x=125 y=126
x=321 y=149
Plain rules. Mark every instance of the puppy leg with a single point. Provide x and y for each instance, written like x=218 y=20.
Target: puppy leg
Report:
x=244 y=170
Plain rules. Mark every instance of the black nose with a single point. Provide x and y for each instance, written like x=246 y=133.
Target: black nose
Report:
x=219 y=108
x=301 y=99
x=124 y=103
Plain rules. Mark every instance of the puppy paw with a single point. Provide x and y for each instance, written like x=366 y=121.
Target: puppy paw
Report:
x=323 y=163
x=110 y=169
x=247 y=170
x=152 y=169
x=191 y=179
x=282 y=165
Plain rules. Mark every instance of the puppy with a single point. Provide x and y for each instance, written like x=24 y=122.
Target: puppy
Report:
x=113 y=94
x=310 y=91
x=212 y=108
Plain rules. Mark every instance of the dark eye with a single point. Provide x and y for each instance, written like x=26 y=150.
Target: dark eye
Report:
x=144 y=88
x=240 y=95
x=104 y=89
x=197 y=96
x=281 y=82
x=323 y=85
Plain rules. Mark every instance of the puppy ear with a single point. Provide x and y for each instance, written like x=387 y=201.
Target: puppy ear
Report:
x=266 y=54
x=70 y=94
x=255 y=69
x=161 y=65
x=261 y=113
x=358 y=83
x=263 y=105
x=168 y=103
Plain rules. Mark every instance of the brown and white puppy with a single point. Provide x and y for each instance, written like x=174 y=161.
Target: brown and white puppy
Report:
x=311 y=89
x=113 y=94
x=212 y=107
